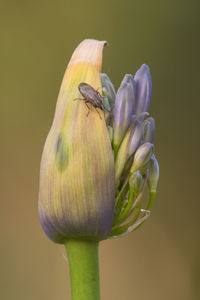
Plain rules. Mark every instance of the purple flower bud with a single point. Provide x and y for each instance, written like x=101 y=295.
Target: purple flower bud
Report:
x=142 y=156
x=142 y=116
x=153 y=175
x=108 y=88
x=124 y=106
x=143 y=89
x=128 y=146
x=136 y=182
x=149 y=130
x=128 y=78
x=145 y=168
x=135 y=138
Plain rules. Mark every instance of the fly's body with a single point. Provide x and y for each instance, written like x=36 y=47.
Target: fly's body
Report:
x=90 y=95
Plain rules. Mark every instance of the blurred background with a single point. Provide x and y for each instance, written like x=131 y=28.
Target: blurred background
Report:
x=161 y=259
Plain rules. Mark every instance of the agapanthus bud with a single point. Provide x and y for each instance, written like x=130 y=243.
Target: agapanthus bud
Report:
x=107 y=110
x=149 y=130
x=128 y=78
x=108 y=88
x=134 y=137
x=142 y=79
x=153 y=175
x=145 y=168
x=136 y=182
x=142 y=156
x=95 y=149
x=77 y=182
x=123 y=111
x=106 y=104
x=142 y=116
x=128 y=146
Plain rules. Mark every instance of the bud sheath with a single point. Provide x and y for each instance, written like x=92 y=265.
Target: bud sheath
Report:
x=77 y=185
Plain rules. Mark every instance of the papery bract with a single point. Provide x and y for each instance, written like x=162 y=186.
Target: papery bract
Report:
x=77 y=184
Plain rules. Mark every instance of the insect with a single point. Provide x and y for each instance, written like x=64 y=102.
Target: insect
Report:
x=92 y=96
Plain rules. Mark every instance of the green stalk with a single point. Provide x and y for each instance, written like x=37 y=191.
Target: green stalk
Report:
x=84 y=269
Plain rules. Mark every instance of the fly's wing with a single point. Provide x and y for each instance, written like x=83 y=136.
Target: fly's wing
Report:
x=91 y=95
x=86 y=91
x=98 y=101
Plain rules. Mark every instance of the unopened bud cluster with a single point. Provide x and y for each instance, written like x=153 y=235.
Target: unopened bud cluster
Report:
x=96 y=166
x=131 y=132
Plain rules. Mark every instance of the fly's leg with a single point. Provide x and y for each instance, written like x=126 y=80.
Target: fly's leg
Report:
x=79 y=99
x=98 y=113
x=88 y=108
x=85 y=104
x=99 y=93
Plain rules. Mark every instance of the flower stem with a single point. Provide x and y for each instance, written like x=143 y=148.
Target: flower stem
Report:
x=84 y=269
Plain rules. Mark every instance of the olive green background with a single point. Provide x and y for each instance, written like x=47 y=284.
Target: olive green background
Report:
x=161 y=259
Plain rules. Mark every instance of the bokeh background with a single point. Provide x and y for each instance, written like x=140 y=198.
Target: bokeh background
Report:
x=161 y=259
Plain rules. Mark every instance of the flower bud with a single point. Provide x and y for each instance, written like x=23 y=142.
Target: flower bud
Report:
x=128 y=78
x=142 y=156
x=146 y=167
x=107 y=111
x=124 y=106
x=142 y=116
x=149 y=130
x=128 y=146
x=77 y=182
x=142 y=79
x=108 y=88
x=106 y=104
x=153 y=175
x=136 y=182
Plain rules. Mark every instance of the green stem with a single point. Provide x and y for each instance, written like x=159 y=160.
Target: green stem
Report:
x=152 y=195
x=120 y=197
x=116 y=230
x=84 y=269
x=126 y=210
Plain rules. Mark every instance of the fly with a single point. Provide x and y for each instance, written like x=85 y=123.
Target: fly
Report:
x=92 y=96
